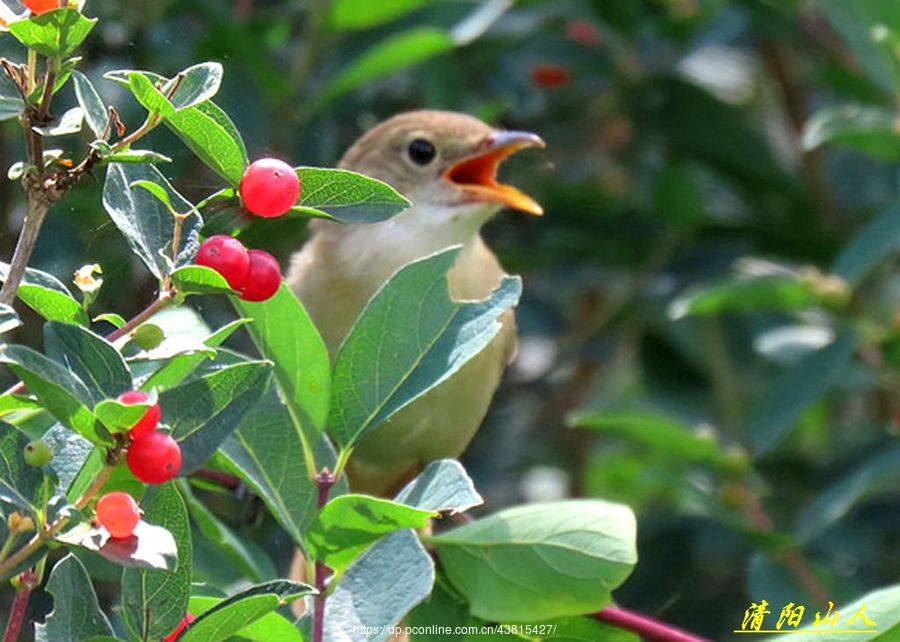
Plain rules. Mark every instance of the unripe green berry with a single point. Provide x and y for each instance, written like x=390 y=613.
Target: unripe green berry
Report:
x=148 y=336
x=37 y=453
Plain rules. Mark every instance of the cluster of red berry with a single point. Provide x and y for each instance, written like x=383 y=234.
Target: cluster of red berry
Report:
x=153 y=457
x=269 y=188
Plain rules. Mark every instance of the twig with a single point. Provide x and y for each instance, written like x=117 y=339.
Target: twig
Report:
x=645 y=626
x=165 y=297
x=28 y=581
x=41 y=537
x=324 y=481
x=34 y=218
x=795 y=105
x=217 y=477
x=791 y=558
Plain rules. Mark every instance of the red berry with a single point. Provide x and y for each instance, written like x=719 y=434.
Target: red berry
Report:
x=118 y=513
x=154 y=458
x=263 y=278
x=227 y=256
x=150 y=420
x=269 y=187
x=187 y=619
x=38 y=7
x=583 y=33
x=549 y=76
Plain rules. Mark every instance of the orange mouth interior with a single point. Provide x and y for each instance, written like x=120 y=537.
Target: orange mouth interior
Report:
x=477 y=175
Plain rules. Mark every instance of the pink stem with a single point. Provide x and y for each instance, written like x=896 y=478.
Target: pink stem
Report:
x=644 y=626
x=19 y=607
x=324 y=480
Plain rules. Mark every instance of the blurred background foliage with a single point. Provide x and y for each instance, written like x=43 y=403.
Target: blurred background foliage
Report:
x=709 y=330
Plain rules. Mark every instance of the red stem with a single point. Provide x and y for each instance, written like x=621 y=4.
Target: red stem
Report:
x=324 y=480
x=644 y=626
x=19 y=607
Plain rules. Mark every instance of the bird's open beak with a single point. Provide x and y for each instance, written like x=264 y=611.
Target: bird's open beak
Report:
x=477 y=174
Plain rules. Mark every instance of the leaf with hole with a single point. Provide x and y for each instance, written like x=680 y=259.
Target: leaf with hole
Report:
x=76 y=613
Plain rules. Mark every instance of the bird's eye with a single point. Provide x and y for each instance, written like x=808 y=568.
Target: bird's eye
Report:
x=421 y=151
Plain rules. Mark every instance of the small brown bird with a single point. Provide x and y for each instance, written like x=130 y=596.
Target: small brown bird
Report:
x=445 y=163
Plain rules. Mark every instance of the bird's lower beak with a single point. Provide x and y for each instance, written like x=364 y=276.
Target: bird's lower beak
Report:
x=477 y=174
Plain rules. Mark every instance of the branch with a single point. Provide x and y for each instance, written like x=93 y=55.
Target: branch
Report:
x=28 y=581
x=36 y=212
x=324 y=481
x=645 y=626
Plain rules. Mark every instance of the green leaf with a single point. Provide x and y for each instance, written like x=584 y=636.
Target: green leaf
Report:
x=349 y=524
x=149 y=547
x=199 y=279
x=154 y=601
x=271 y=626
x=54 y=34
x=11 y=103
x=870 y=247
x=665 y=436
x=9 y=320
x=181 y=365
x=585 y=629
x=46 y=295
x=119 y=417
x=62 y=393
x=209 y=133
x=146 y=223
x=881 y=607
x=854 y=20
x=444 y=485
x=115 y=320
x=229 y=616
x=266 y=451
x=11 y=403
x=352 y=15
x=251 y=560
x=68 y=123
x=20 y=484
x=392 y=54
x=878 y=472
x=539 y=561
x=436 y=338
x=136 y=156
x=89 y=357
x=870 y=130
x=284 y=334
x=76 y=613
x=158 y=191
x=195 y=85
x=754 y=295
x=677 y=198
x=76 y=461
x=346 y=196
x=92 y=104
x=149 y=95
x=376 y=591
x=747 y=158
x=204 y=412
x=795 y=389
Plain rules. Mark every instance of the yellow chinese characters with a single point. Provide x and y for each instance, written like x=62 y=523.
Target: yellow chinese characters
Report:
x=792 y=614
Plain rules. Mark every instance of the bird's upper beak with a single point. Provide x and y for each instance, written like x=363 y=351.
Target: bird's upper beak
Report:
x=476 y=174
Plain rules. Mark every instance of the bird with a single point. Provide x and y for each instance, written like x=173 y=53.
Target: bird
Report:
x=445 y=163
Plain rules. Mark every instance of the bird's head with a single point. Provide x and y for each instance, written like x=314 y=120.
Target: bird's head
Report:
x=443 y=159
